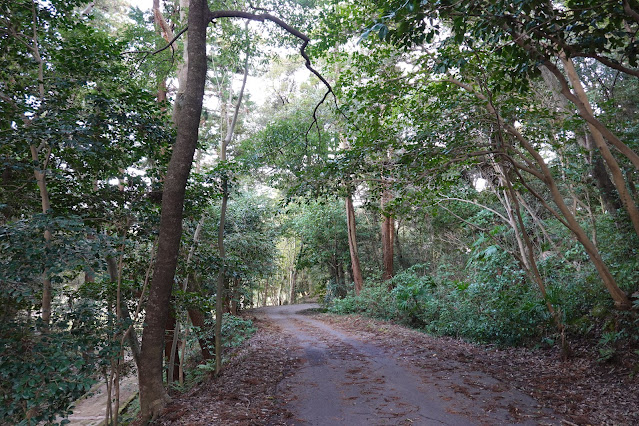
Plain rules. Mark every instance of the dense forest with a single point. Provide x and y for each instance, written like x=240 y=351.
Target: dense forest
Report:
x=468 y=168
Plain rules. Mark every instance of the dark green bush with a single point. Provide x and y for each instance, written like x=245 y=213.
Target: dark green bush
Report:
x=45 y=369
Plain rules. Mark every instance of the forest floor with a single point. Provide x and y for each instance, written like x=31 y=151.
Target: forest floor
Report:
x=304 y=368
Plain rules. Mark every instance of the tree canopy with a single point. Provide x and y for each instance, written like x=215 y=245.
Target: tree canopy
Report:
x=467 y=168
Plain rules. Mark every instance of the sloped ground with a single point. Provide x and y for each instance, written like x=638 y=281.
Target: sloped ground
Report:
x=324 y=369
x=91 y=411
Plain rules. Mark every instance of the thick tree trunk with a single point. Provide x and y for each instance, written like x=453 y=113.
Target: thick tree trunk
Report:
x=352 y=246
x=153 y=396
x=388 y=233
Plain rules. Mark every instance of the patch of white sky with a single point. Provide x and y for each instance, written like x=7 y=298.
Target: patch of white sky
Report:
x=258 y=89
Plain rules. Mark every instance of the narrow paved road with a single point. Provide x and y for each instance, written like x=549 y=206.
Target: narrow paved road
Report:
x=346 y=381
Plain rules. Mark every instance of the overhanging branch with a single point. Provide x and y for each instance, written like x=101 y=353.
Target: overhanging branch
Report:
x=263 y=17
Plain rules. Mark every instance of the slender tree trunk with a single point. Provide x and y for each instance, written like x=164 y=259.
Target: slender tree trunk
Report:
x=398 y=248
x=600 y=175
x=527 y=252
x=524 y=41
x=293 y=284
x=164 y=30
x=604 y=184
x=265 y=292
x=39 y=172
x=220 y=239
x=171 y=355
x=352 y=246
x=173 y=329
x=388 y=233
x=153 y=396
x=619 y=297
x=131 y=335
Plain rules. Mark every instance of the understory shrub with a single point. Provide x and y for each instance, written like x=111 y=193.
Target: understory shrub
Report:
x=505 y=309
x=235 y=330
x=44 y=369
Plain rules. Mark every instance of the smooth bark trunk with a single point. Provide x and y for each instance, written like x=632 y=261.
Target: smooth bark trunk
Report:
x=388 y=233
x=221 y=279
x=620 y=298
x=600 y=143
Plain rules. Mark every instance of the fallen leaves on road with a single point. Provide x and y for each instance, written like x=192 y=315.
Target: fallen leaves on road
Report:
x=582 y=390
x=245 y=393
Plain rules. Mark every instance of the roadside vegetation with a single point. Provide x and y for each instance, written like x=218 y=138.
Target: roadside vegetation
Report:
x=469 y=169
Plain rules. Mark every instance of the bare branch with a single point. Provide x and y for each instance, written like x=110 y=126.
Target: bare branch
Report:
x=263 y=17
x=475 y=203
x=542 y=200
x=488 y=233
x=170 y=43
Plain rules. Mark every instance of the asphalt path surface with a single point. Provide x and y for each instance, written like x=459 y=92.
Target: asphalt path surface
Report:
x=344 y=380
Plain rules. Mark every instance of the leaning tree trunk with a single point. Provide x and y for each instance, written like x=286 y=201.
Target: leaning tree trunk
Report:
x=620 y=298
x=600 y=142
x=153 y=396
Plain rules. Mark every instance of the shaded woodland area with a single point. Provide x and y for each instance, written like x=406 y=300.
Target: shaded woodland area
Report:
x=468 y=169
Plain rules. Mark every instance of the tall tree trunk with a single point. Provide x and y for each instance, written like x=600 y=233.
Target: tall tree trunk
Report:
x=47 y=290
x=220 y=239
x=388 y=233
x=40 y=168
x=352 y=246
x=153 y=396
x=293 y=284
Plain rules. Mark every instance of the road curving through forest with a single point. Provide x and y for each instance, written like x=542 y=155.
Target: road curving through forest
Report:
x=307 y=368
x=345 y=380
